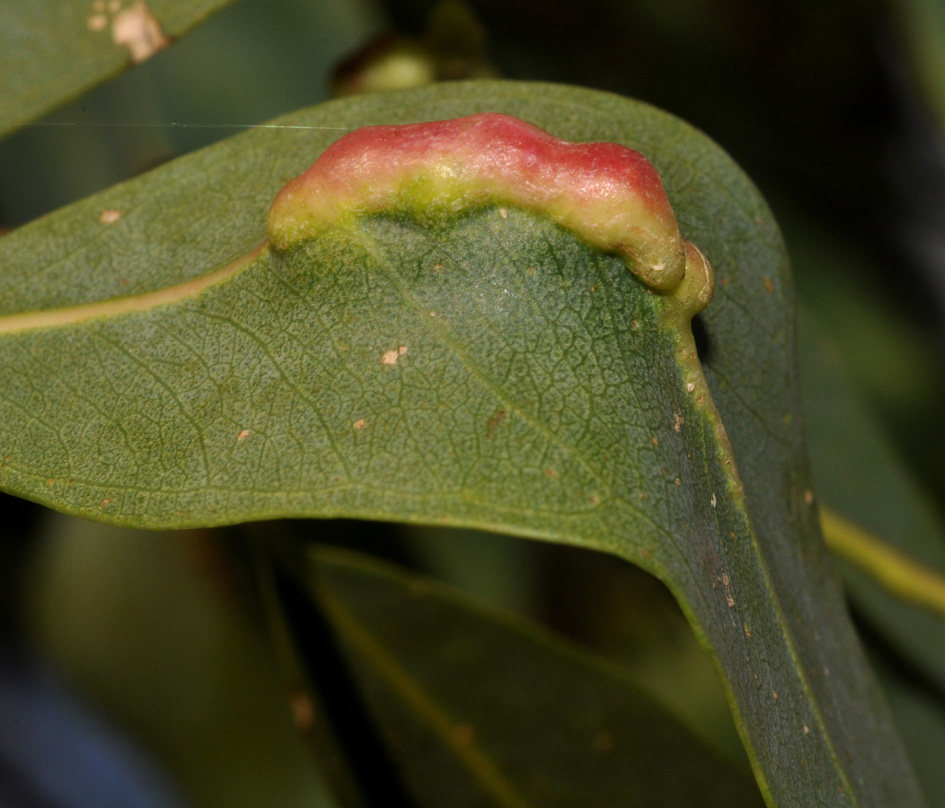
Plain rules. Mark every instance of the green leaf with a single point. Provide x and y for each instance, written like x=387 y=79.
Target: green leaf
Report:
x=479 y=708
x=538 y=389
x=920 y=713
x=151 y=628
x=860 y=474
x=921 y=24
x=52 y=50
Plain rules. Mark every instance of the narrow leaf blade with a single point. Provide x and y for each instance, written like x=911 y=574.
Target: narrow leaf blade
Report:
x=52 y=50
x=480 y=707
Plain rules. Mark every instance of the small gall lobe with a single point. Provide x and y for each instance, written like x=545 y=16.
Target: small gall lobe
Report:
x=609 y=195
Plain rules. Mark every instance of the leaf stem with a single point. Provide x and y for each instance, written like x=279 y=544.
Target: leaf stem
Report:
x=897 y=573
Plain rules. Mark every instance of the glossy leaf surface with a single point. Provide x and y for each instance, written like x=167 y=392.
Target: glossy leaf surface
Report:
x=487 y=370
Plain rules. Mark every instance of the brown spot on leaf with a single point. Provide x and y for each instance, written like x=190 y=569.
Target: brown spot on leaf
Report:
x=464 y=734
x=359 y=424
x=243 y=435
x=494 y=420
x=303 y=711
x=109 y=216
x=769 y=286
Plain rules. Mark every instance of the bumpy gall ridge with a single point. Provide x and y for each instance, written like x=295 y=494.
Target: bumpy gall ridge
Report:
x=609 y=195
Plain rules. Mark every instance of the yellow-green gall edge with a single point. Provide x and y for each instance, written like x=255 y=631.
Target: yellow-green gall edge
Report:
x=609 y=195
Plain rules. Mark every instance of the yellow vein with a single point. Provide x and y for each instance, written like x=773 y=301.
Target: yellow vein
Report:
x=71 y=315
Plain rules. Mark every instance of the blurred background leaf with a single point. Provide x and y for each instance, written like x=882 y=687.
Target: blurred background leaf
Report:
x=859 y=473
x=161 y=631
x=53 y=50
x=247 y=64
x=473 y=702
